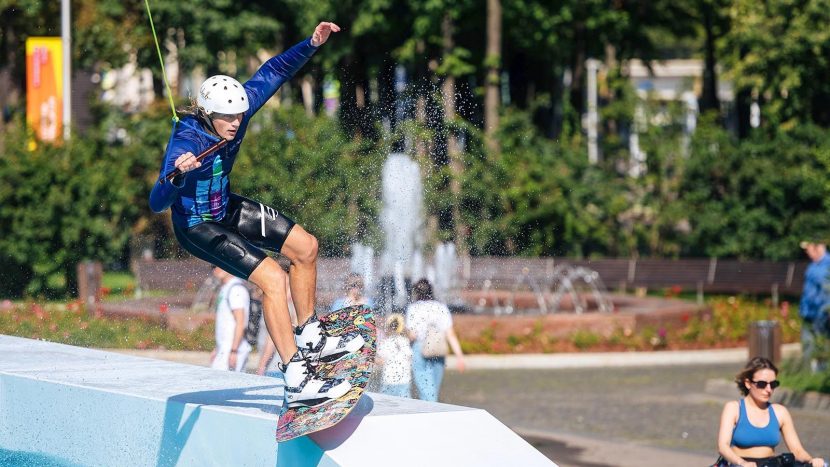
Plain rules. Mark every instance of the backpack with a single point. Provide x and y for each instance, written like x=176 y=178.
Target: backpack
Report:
x=821 y=324
x=252 y=330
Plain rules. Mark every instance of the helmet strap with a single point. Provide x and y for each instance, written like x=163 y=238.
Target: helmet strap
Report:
x=206 y=120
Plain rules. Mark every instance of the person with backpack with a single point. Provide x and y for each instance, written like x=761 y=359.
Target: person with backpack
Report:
x=429 y=326
x=233 y=307
x=815 y=300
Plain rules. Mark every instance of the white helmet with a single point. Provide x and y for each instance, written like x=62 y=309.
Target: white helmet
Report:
x=222 y=94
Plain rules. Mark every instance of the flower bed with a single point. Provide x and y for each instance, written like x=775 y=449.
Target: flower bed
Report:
x=723 y=323
x=69 y=323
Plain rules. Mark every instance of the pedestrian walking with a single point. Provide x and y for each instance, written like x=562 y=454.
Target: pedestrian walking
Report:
x=394 y=355
x=815 y=299
x=429 y=325
x=233 y=306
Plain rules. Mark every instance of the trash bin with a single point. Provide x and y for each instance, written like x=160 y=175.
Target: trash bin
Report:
x=765 y=340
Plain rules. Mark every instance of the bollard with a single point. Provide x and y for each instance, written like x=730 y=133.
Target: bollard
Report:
x=765 y=340
x=90 y=274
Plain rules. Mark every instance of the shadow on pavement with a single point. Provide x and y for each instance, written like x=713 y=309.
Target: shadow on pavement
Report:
x=560 y=452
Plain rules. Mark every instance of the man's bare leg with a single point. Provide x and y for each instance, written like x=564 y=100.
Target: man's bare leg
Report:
x=270 y=277
x=301 y=248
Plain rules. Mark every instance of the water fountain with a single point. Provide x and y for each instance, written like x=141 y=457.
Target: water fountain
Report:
x=531 y=294
x=526 y=280
x=401 y=218
x=402 y=260
x=363 y=263
x=444 y=274
x=490 y=300
x=567 y=280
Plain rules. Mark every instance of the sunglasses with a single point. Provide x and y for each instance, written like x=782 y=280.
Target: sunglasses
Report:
x=226 y=117
x=763 y=384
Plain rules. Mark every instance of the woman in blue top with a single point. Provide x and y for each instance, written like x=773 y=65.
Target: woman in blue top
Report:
x=751 y=427
x=232 y=232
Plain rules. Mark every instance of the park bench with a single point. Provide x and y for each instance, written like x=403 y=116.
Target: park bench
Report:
x=705 y=275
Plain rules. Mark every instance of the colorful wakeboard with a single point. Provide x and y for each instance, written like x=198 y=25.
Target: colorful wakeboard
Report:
x=356 y=369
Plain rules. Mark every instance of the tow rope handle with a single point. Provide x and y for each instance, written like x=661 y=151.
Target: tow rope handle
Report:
x=215 y=147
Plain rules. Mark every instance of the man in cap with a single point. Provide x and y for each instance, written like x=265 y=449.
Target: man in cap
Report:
x=815 y=300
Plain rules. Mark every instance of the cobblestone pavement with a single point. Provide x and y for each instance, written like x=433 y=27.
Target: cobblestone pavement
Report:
x=635 y=412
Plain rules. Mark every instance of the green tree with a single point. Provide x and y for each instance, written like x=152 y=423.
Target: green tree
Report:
x=20 y=19
x=308 y=169
x=755 y=198
x=62 y=205
x=778 y=51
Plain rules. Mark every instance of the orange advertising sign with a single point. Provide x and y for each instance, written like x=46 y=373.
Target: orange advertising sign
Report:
x=44 y=87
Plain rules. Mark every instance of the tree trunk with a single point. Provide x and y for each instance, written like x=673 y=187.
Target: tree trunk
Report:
x=421 y=77
x=709 y=100
x=454 y=153
x=493 y=63
x=578 y=72
x=11 y=86
x=307 y=88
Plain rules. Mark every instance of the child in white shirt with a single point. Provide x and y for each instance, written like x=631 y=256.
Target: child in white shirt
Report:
x=395 y=355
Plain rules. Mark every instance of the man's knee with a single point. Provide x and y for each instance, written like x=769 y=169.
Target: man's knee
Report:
x=270 y=277
x=308 y=253
x=313 y=249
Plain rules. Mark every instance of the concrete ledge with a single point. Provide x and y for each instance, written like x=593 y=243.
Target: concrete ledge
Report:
x=92 y=407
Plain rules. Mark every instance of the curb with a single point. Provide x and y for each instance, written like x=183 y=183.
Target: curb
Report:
x=533 y=361
x=612 y=359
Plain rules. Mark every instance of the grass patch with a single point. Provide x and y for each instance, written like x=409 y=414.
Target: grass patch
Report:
x=803 y=380
x=115 y=284
x=69 y=324
x=797 y=374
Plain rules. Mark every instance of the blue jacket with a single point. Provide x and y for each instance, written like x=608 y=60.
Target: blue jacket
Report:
x=202 y=194
x=815 y=298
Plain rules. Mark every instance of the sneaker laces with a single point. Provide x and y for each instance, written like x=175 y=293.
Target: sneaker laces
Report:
x=310 y=372
x=309 y=366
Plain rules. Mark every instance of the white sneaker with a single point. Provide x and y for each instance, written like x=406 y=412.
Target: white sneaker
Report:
x=304 y=388
x=314 y=341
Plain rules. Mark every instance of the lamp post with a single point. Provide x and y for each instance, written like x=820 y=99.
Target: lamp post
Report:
x=592 y=121
x=66 y=39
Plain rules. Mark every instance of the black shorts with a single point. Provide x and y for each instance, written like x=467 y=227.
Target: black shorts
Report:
x=236 y=242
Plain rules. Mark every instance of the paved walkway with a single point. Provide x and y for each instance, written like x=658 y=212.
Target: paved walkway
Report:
x=531 y=361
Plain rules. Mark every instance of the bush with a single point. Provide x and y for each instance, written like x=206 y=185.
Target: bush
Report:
x=64 y=204
x=309 y=169
x=797 y=374
x=755 y=198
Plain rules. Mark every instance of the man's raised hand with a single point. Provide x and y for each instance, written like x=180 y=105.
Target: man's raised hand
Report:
x=322 y=33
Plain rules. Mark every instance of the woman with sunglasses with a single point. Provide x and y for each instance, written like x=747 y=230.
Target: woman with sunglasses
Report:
x=751 y=427
x=233 y=232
